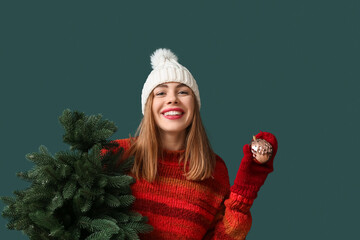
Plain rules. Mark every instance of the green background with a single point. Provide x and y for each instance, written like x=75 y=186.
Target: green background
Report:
x=287 y=67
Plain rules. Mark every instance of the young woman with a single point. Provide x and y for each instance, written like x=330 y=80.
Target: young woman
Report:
x=182 y=185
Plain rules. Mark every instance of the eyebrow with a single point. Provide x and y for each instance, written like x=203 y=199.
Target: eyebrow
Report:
x=166 y=86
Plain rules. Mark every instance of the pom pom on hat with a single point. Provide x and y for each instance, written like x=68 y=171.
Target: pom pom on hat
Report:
x=167 y=69
x=160 y=56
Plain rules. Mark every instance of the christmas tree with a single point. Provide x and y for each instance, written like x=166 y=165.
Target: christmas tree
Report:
x=79 y=193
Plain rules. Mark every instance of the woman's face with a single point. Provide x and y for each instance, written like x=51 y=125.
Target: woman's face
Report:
x=173 y=107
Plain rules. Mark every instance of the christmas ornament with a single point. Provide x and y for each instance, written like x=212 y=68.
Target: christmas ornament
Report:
x=261 y=150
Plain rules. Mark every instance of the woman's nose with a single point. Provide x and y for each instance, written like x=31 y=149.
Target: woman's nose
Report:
x=172 y=98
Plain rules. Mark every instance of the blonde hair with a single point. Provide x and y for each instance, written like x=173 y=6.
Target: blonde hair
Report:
x=146 y=148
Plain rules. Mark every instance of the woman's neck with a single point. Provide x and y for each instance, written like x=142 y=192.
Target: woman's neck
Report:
x=173 y=141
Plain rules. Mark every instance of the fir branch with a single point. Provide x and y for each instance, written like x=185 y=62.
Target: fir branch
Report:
x=69 y=189
x=51 y=172
x=25 y=176
x=8 y=200
x=77 y=194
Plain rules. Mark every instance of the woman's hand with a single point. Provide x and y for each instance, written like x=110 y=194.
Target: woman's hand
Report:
x=253 y=171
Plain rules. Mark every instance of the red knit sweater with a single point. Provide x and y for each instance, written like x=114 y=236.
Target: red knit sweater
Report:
x=182 y=209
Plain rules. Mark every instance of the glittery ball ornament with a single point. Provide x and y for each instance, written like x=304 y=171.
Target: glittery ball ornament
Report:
x=261 y=150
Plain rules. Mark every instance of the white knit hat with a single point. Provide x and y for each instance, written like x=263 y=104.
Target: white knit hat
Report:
x=167 y=69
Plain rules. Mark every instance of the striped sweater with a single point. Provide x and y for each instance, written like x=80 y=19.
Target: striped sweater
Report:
x=182 y=209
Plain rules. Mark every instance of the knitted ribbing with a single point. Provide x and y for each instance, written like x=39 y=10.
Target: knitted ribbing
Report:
x=181 y=209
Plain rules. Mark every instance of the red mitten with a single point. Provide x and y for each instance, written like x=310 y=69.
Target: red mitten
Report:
x=251 y=174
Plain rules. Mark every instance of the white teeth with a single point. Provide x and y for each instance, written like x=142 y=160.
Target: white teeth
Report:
x=172 y=113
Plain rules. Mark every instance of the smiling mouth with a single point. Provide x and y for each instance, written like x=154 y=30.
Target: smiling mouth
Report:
x=173 y=113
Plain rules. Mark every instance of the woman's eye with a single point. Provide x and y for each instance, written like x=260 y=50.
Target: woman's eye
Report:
x=159 y=93
x=184 y=92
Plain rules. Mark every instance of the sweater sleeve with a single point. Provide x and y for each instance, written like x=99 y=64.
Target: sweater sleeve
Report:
x=237 y=219
x=234 y=222
x=233 y=219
